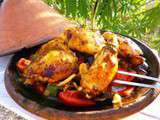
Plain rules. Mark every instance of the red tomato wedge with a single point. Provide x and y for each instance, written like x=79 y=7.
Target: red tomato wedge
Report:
x=75 y=98
x=22 y=64
x=123 y=77
x=127 y=91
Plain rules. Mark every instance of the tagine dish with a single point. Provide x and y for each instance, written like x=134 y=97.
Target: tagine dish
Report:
x=78 y=68
x=74 y=76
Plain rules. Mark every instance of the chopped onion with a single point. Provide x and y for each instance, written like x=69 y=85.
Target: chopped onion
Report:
x=66 y=80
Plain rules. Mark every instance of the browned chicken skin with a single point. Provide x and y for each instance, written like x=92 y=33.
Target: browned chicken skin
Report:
x=85 y=40
x=54 y=62
x=130 y=50
x=55 y=44
x=96 y=78
x=127 y=48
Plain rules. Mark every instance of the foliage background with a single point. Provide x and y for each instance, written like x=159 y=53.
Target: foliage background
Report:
x=136 y=18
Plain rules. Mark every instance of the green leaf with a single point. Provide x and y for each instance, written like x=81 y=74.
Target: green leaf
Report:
x=83 y=6
x=49 y=2
x=71 y=8
x=115 y=6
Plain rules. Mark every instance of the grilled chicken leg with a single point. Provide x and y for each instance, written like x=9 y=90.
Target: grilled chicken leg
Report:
x=96 y=78
x=54 y=61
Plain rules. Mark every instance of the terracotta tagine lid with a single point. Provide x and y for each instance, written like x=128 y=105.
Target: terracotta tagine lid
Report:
x=26 y=23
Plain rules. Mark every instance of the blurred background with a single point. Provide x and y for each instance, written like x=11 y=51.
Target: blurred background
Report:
x=136 y=18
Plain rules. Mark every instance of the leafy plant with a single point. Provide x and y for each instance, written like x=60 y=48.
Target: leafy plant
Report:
x=136 y=18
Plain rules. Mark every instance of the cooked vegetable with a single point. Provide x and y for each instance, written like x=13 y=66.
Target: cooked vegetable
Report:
x=117 y=101
x=66 y=80
x=116 y=98
x=22 y=64
x=75 y=98
x=51 y=90
x=127 y=91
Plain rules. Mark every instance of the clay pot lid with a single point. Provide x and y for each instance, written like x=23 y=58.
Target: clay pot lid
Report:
x=26 y=23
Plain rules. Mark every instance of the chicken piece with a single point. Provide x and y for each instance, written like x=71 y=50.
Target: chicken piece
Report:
x=96 y=78
x=84 y=40
x=55 y=44
x=111 y=39
x=127 y=48
x=54 y=61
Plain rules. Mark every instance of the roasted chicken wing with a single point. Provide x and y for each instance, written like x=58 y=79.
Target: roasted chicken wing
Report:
x=54 y=61
x=84 y=40
x=96 y=78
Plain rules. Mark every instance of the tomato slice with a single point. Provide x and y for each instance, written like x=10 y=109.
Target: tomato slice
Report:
x=123 y=77
x=22 y=64
x=124 y=90
x=75 y=98
x=127 y=91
